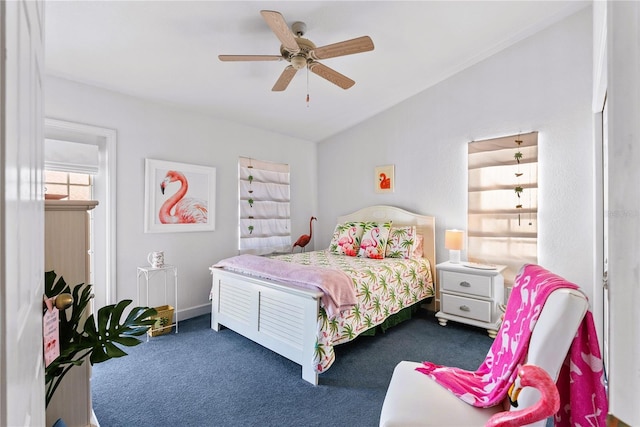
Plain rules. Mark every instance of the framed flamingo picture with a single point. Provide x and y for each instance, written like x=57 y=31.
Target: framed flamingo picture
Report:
x=384 y=179
x=179 y=197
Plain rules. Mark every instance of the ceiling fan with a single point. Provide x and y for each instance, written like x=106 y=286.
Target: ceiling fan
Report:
x=301 y=52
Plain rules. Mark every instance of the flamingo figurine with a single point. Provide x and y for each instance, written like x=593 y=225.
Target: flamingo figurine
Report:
x=305 y=238
x=185 y=210
x=549 y=403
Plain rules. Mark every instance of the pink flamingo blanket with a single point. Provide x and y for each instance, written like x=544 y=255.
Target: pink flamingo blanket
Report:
x=337 y=287
x=583 y=400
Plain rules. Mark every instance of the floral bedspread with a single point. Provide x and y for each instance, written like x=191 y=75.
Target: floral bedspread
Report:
x=383 y=288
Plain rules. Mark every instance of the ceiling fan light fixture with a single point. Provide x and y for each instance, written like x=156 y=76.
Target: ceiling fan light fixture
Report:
x=303 y=53
x=299 y=62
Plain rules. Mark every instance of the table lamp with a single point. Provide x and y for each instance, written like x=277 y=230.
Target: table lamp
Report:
x=453 y=240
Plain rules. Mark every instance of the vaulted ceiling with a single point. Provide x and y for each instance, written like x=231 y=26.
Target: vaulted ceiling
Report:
x=167 y=51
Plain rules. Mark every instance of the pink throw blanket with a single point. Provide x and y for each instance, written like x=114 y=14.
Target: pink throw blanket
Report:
x=336 y=286
x=583 y=399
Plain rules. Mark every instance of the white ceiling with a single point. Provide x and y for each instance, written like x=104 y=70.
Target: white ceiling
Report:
x=167 y=51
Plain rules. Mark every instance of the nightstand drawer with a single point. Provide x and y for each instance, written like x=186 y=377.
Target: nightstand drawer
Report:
x=466 y=307
x=466 y=283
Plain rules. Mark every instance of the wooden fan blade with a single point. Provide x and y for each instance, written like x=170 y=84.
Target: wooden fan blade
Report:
x=280 y=28
x=332 y=75
x=250 y=57
x=284 y=79
x=348 y=47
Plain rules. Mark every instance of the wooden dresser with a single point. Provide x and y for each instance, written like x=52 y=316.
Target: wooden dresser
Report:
x=67 y=248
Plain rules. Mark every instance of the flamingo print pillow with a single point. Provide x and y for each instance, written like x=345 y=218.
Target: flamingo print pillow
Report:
x=374 y=239
x=346 y=239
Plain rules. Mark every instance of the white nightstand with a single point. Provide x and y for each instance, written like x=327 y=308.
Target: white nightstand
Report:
x=471 y=295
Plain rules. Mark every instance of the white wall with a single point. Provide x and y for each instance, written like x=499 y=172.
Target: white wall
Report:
x=623 y=100
x=541 y=84
x=153 y=130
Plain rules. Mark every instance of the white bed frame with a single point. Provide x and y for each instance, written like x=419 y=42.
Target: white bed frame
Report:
x=283 y=318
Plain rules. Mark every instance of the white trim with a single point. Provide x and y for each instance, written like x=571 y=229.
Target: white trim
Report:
x=196 y=311
x=598 y=101
x=108 y=164
x=598 y=227
x=599 y=55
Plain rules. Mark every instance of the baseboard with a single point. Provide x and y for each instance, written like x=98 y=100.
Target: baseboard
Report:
x=196 y=311
x=615 y=422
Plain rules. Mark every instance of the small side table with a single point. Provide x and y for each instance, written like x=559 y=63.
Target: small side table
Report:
x=148 y=273
x=471 y=295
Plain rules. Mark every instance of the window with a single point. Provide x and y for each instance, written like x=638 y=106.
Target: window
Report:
x=503 y=202
x=75 y=186
x=265 y=223
x=69 y=167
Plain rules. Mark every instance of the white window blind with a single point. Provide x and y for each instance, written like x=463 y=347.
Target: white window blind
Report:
x=502 y=227
x=265 y=220
x=67 y=156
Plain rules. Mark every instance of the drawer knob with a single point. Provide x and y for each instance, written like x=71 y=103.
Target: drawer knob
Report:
x=464 y=308
x=465 y=284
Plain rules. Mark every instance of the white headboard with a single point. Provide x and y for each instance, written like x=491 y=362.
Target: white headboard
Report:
x=425 y=225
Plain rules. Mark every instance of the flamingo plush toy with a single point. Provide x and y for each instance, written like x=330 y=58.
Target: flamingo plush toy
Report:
x=549 y=403
x=305 y=238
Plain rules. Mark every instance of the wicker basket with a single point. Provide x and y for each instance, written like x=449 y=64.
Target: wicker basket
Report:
x=164 y=321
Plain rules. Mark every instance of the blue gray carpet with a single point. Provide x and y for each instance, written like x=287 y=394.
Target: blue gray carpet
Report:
x=200 y=378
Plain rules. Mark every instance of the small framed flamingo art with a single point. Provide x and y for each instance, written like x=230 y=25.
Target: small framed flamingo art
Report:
x=385 y=179
x=179 y=197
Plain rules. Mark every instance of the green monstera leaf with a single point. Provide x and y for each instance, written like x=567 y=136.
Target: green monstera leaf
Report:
x=111 y=330
x=81 y=338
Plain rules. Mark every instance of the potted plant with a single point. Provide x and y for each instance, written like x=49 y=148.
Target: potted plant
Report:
x=95 y=339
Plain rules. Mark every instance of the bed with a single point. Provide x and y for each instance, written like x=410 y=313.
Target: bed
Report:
x=294 y=321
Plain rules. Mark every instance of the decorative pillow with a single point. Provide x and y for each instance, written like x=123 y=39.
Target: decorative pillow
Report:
x=346 y=239
x=402 y=242
x=374 y=239
x=417 y=248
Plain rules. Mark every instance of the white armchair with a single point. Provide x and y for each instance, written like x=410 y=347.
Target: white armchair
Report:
x=414 y=399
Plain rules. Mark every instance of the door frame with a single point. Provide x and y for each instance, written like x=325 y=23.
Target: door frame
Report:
x=598 y=102
x=600 y=304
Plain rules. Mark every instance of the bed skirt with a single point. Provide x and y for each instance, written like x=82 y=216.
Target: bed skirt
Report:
x=395 y=319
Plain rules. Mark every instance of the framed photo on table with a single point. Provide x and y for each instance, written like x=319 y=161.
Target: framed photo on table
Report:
x=178 y=197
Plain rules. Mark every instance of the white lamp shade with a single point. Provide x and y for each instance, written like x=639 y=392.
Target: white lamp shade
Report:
x=454 y=239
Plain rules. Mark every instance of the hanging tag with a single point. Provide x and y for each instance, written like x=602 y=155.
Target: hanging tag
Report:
x=48 y=302
x=51 y=334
